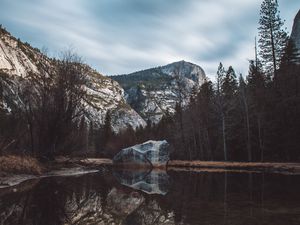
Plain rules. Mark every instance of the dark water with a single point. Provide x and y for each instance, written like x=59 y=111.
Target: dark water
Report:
x=124 y=197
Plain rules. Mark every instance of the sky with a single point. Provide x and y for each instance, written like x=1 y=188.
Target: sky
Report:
x=123 y=36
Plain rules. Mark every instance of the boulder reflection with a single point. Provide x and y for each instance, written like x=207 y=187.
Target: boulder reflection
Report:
x=87 y=200
x=148 y=181
x=193 y=198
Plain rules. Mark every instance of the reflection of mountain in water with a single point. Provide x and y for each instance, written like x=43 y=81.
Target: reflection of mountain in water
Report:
x=88 y=200
x=150 y=214
x=148 y=181
x=193 y=199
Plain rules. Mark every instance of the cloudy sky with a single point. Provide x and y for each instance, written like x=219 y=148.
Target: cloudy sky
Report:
x=122 y=36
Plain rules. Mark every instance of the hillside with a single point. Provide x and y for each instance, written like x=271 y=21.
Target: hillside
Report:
x=22 y=63
x=155 y=92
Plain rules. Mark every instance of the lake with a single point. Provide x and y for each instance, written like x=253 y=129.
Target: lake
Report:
x=155 y=197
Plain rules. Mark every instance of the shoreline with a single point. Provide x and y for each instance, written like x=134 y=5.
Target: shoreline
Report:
x=11 y=180
x=72 y=167
x=268 y=167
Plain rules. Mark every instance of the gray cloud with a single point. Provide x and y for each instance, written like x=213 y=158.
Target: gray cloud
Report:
x=122 y=36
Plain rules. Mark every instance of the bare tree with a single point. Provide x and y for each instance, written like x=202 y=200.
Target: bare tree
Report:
x=54 y=104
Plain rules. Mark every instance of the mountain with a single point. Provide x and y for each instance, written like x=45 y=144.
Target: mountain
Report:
x=155 y=92
x=295 y=36
x=131 y=99
x=20 y=63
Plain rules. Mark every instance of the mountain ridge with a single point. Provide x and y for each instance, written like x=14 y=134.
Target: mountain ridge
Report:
x=22 y=62
x=155 y=92
x=132 y=99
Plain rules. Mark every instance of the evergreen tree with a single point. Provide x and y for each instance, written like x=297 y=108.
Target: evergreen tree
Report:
x=229 y=84
x=206 y=115
x=225 y=99
x=107 y=129
x=83 y=135
x=228 y=90
x=272 y=37
x=290 y=56
x=257 y=103
x=180 y=125
x=243 y=95
x=220 y=76
x=220 y=105
x=288 y=74
x=149 y=124
x=91 y=137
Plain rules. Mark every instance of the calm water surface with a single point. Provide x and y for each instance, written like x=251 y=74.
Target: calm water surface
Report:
x=145 y=197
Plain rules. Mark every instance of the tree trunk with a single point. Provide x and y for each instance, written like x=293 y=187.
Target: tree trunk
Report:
x=209 y=150
x=248 y=133
x=30 y=127
x=260 y=140
x=201 y=144
x=224 y=137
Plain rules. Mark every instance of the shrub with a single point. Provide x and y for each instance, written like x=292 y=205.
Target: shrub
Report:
x=20 y=165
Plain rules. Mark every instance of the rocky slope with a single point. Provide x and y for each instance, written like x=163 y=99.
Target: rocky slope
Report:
x=155 y=92
x=295 y=36
x=20 y=62
x=131 y=99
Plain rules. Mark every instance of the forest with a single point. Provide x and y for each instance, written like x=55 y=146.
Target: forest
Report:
x=235 y=117
x=253 y=117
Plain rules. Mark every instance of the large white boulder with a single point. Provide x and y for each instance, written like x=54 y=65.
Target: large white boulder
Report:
x=150 y=153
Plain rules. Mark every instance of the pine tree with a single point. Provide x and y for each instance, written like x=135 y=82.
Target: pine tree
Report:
x=229 y=84
x=206 y=114
x=290 y=56
x=220 y=76
x=220 y=106
x=226 y=91
x=179 y=117
x=288 y=74
x=272 y=37
x=107 y=129
x=243 y=95
x=257 y=101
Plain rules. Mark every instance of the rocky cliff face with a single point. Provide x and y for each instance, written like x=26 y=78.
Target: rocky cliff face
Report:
x=131 y=99
x=20 y=62
x=295 y=36
x=155 y=92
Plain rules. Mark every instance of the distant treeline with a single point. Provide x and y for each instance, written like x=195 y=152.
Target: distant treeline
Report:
x=256 y=119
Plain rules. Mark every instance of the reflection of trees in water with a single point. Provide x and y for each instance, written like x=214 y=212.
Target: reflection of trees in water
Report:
x=193 y=198
x=85 y=200
x=44 y=204
x=56 y=201
x=207 y=198
x=233 y=198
